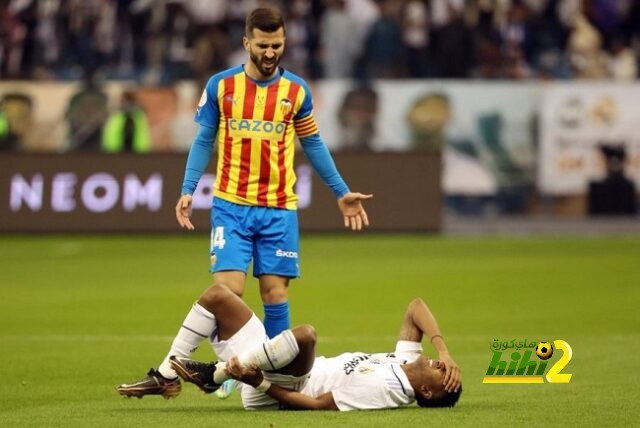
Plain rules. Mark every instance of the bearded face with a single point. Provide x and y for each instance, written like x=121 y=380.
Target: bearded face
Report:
x=264 y=63
x=265 y=50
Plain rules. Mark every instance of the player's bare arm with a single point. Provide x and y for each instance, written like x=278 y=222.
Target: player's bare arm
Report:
x=297 y=401
x=183 y=212
x=355 y=217
x=418 y=321
x=252 y=375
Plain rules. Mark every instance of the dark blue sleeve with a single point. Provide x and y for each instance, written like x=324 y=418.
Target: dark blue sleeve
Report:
x=322 y=162
x=199 y=157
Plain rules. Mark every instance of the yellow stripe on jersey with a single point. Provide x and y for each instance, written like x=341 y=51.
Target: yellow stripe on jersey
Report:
x=239 y=89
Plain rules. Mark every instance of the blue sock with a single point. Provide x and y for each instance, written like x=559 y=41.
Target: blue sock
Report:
x=276 y=318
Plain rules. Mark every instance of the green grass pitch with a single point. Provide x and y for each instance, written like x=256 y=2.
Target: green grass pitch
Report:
x=81 y=314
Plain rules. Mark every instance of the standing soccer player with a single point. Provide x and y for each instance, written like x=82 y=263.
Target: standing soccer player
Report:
x=253 y=112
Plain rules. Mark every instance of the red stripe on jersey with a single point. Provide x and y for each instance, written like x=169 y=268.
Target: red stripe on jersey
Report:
x=281 y=195
x=227 y=104
x=305 y=128
x=307 y=134
x=304 y=120
x=265 y=150
x=245 y=154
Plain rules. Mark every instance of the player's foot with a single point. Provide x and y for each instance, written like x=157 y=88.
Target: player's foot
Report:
x=226 y=389
x=153 y=384
x=200 y=374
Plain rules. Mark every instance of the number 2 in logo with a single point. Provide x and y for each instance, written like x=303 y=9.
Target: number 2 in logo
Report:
x=217 y=239
x=554 y=375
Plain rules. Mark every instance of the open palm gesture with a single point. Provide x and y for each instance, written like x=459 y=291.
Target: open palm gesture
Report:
x=354 y=214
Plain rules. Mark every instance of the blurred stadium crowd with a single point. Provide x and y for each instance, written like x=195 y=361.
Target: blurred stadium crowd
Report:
x=161 y=41
x=116 y=76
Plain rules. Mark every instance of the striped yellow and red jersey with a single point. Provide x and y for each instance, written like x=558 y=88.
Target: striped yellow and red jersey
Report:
x=256 y=125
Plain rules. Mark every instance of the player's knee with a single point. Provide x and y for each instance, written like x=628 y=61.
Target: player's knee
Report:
x=274 y=294
x=213 y=295
x=417 y=302
x=305 y=335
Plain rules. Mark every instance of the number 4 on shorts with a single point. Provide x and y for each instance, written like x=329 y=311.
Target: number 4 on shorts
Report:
x=218 y=238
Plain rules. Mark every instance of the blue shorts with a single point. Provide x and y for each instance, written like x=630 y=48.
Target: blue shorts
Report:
x=242 y=232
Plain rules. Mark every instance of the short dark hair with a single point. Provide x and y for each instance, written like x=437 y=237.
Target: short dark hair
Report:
x=448 y=399
x=265 y=19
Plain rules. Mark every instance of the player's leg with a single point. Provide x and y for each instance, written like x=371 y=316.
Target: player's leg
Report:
x=302 y=364
x=275 y=262
x=292 y=376
x=273 y=291
x=237 y=327
x=291 y=352
x=231 y=244
x=234 y=279
x=241 y=334
x=231 y=251
x=231 y=313
x=225 y=314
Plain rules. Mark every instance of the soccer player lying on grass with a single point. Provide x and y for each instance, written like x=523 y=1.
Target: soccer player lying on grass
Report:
x=284 y=372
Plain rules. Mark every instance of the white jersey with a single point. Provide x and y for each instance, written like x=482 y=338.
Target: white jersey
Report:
x=360 y=381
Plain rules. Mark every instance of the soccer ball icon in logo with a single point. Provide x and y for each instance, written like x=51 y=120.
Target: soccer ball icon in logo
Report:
x=544 y=350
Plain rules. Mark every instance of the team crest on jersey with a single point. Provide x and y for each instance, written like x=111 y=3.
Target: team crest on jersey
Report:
x=260 y=100
x=203 y=99
x=285 y=106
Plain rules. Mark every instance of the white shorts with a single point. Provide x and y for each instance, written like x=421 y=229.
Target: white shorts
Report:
x=249 y=337
x=254 y=400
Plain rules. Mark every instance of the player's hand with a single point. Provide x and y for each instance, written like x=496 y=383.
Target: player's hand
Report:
x=452 y=376
x=251 y=375
x=183 y=211
x=354 y=214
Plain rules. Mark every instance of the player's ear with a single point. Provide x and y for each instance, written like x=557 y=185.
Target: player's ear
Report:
x=425 y=391
x=246 y=44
